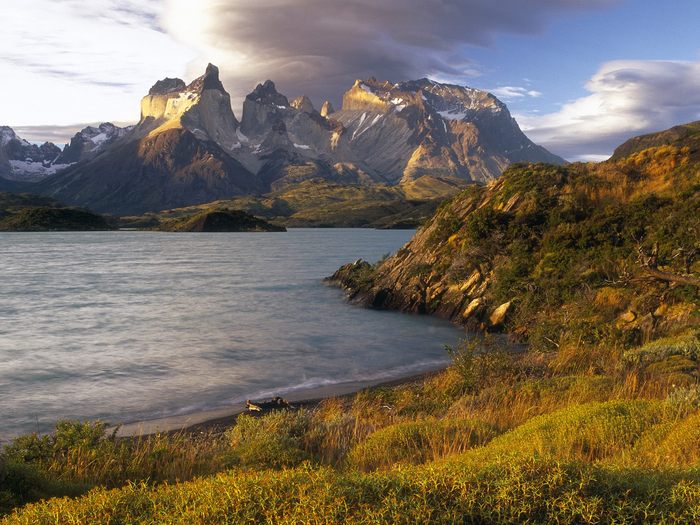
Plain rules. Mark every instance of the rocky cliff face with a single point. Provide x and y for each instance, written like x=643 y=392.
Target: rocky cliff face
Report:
x=406 y=130
x=554 y=253
x=203 y=108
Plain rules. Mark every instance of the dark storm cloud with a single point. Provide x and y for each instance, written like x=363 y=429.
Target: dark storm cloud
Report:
x=318 y=47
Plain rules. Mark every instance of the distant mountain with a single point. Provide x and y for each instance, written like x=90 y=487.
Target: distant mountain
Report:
x=189 y=148
x=90 y=141
x=22 y=161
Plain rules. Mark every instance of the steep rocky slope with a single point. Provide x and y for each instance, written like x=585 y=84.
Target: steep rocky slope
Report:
x=583 y=253
x=406 y=130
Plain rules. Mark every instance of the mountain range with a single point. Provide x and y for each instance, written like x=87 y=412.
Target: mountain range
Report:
x=189 y=148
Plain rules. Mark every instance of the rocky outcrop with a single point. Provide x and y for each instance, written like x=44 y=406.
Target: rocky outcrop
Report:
x=555 y=252
x=327 y=109
x=303 y=104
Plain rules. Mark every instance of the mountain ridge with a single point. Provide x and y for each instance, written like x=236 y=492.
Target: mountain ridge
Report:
x=384 y=133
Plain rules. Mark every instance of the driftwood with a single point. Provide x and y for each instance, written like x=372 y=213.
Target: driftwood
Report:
x=276 y=403
x=649 y=263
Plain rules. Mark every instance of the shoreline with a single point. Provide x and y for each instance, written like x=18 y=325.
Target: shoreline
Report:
x=221 y=418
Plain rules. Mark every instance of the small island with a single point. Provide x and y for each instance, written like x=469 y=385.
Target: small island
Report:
x=43 y=219
x=221 y=220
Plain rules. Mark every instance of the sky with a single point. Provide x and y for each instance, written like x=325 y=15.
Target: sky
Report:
x=579 y=76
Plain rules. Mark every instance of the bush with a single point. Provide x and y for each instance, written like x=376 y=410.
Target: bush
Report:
x=274 y=440
x=582 y=433
x=479 y=360
x=687 y=346
x=82 y=455
x=674 y=443
x=418 y=442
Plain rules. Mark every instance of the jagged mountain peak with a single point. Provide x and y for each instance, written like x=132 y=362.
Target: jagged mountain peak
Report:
x=167 y=85
x=90 y=141
x=303 y=103
x=263 y=108
x=327 y=109
x=209 y=80
x=6 y=135
x=203 y=107
x=20 y=160
x=266 y=93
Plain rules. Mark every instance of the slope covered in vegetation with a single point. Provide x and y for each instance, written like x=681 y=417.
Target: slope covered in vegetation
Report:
x=578 y=255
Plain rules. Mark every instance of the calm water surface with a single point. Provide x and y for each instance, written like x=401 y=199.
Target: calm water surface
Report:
x=126 y=326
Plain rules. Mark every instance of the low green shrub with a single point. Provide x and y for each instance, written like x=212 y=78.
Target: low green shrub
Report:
x=687 y=346
x=589 y=432
x=274 y=440
x=418 y=442
x=675 y=443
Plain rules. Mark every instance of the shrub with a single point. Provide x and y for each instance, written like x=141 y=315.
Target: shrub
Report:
x=478 y=360
x=417 y=442
x=583 y=433
x=85 y=454
x=274 y=440
x=674 y=443
x=687 y=346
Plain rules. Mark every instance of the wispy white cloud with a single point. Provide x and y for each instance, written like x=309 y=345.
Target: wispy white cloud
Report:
x=514 y=92
x=627 y=98
x=76 y=61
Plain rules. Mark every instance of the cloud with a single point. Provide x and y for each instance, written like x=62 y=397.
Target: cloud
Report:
x=76 y=61
x=512 y=92
x=628 y=98
x=318 y=47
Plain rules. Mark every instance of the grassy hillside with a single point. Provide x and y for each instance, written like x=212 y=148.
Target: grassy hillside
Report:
x=563 y=257
x=317 y=203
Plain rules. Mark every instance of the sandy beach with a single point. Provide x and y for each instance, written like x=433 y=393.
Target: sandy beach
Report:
x=225 y=417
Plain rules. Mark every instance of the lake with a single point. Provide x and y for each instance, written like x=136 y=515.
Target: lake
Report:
x=127 y=326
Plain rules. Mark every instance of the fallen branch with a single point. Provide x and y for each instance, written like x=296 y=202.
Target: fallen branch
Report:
x=672 y=277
